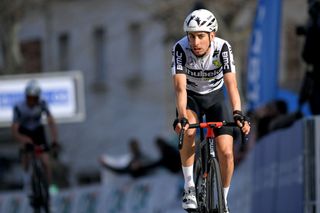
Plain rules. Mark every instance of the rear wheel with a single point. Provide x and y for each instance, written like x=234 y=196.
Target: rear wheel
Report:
x=215 y=198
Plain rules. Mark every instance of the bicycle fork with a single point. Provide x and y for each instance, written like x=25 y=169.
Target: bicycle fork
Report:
x=207 y=152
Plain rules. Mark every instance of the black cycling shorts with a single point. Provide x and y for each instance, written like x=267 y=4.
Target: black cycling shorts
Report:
x=37 y=135
x=214 y=108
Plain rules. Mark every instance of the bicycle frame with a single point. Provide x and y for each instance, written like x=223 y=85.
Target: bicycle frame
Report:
x=209 y=171
x=39 y=183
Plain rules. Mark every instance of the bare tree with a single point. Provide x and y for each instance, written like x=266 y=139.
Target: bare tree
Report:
x=12 y=13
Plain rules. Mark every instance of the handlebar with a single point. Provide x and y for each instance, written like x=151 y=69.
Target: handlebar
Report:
x=211 y=125
x=36 y=149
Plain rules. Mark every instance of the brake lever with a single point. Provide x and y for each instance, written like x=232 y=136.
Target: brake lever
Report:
x=181 y=135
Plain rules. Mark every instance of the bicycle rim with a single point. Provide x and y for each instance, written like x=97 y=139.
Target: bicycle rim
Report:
x=45 y=195
x=40 y=191
x=215 y=199
x=44 y=192
x=34 y=199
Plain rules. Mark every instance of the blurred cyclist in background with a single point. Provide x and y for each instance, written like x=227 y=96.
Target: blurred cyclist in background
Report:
x=27 y=128
x=201 y=65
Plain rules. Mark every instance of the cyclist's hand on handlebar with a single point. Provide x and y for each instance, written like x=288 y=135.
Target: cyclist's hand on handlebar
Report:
x=55 y=148
x=246 y=128
x=242 y=121
x=178 y=124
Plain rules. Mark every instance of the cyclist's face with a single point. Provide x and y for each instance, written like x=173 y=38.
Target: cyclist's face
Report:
x=200 y=42
x=32 y=100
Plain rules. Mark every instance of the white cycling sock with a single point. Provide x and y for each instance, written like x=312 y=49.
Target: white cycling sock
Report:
x=225 y=192
x=188 y=176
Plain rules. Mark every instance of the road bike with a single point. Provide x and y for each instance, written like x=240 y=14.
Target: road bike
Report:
x=208 y=183
x=39 y=199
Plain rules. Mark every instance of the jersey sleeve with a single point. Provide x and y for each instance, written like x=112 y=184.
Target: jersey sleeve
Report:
x=178 y=60
x=16 y=114
x=227 y=59
x=45 y=108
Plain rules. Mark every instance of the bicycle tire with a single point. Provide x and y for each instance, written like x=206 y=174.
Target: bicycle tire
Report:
x=200 y=196
x=215 y=196
x=40 y=190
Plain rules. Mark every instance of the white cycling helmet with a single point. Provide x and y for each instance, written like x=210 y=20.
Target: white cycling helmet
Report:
x=33 y=89
x=200 y=20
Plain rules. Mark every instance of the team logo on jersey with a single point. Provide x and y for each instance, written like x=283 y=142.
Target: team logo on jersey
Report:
x=215 y=53
x=226 y=60
x=179 y=60
x=216 y=63
x=203 y=74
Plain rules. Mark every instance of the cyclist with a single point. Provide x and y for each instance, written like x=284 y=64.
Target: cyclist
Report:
x=28 y=129
x=201 y=64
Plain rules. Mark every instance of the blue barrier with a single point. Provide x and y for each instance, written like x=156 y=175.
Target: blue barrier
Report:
x=271 y=178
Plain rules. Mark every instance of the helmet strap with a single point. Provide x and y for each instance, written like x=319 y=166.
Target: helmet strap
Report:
x=209 y=44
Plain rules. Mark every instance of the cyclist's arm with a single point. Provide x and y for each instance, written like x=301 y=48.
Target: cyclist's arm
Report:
x=16 y=125
x=233 y=92
x=18 y=136
x=51 y=122
x=52 y=128
x=180 y=84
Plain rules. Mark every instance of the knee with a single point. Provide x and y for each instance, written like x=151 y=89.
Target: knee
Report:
x=45 y=160
x=191 y=134
x=228 y=156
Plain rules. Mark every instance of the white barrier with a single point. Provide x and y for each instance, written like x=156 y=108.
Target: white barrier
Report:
x=159 y=193
x=14 y=202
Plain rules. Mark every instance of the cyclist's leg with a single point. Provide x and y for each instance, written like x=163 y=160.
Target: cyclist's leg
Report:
x=224 y=142
x=23 y=152
x=26 y=168
x=24 y=158
x=225 y=156
x=24 y=155
x=46 y=162
x=226 y=161
x=187 y=154
x=188 y=149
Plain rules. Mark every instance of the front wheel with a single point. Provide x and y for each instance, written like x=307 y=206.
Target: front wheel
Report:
x=40 y=197
x=215 y=198
x=201 y=186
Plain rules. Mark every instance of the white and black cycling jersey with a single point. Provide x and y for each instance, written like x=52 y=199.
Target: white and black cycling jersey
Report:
x=204 y=74
x=30 y=117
